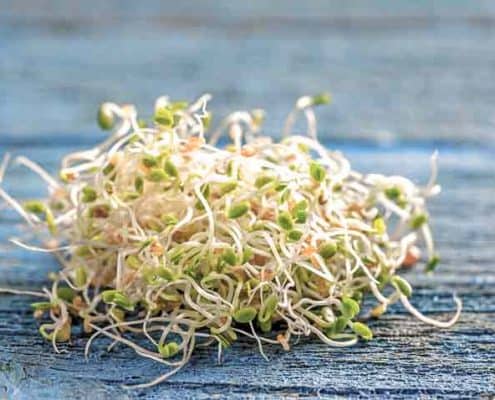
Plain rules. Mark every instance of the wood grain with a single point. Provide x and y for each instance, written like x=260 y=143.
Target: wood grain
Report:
x=397 y=69
x=406 y=360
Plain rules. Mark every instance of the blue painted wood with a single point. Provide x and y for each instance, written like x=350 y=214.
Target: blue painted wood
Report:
x=406 y=359
x=397 y=69
x=421 y=70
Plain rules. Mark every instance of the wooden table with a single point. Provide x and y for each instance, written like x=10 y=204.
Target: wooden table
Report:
x=406 y=359
x=407 y=77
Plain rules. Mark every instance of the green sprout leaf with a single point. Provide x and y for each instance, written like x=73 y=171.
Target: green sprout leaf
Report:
x=349 y=307
x=284 y=220
x=263 y=180
x=432 y=263
x=88 y=194
x=321 y=99
x=35 y=207
x=268 y=308
x=327 y=250
x=317 y=172
x=402 y=285
x=139 y=184
x=117 y=298
x=338 y=326
x=265 y=326
x=418 y=220
x=169 y=219
x=392 y=193
x=164 y=116
x=157 y=175
x=294 y=235
x=171 y=169
x=379 y=225
x=169 y=349
x=80 y=276
x=65 y=293
x=229 y=257
x=105 y=117
x=245 y=315
x=238 y=210
x=41 y=306
x=149 y=161
x=227 y=187
x=362 y=330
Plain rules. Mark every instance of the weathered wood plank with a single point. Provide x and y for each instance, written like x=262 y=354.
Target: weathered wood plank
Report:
x=397 y=69
x=407 y=358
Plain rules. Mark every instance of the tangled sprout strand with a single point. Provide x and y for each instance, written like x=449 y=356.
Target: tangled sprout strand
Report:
x=162 y=234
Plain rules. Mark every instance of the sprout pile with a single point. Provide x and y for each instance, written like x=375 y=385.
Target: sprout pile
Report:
x=168 y=241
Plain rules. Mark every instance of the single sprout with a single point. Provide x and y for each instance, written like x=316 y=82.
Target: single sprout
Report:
x=432 y=263
x=379 y=225
x=402 y=285
x=169 y=219
x=206 y=120
x=105 y=117
x=133 y=262
x=258 y=116
x=300 y=216
x=238 y=210
x=171 y=169
x=157 y=175
x=268 y=309
x=227 y=187
x=263 y=180
x=245 y=315
x=65 y=293
x=301 y=205
x=247 y=254
x=321 y=99
x=317 y=171
x=117 y=298
x=167 y=242
x=139 y=184
x=229 y=257
x=80 y=276
x=295 y=235
x=338 y=326
x=50 y=222
x=362 y=330
x=327 y=250
x=418 y=220
x=41 y=306
x=88 y=195
x=265 y=326
x=35 y=207
x=168 y=350
x=142 y=124
x=284 y=219
x=149 y=161
x=393 y=193
x=108 y=169
x=349 y=307
x=164 y=116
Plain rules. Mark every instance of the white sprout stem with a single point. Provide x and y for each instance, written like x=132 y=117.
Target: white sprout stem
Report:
x=3 y=166
x=23 y=292
x=17 y=207
x=37 y=169
x=430 y=321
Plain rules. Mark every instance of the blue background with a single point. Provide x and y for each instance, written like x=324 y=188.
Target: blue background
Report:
x=397 y=69
x=406 y=76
